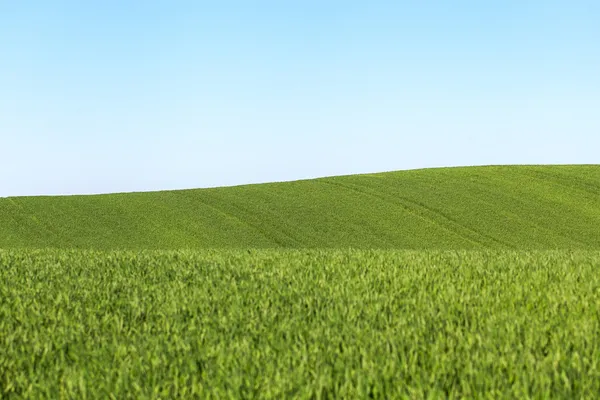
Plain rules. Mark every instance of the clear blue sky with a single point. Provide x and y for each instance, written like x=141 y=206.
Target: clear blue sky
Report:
x=116 y=95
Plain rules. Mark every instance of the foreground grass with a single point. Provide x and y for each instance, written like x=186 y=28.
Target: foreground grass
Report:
x=504 y=207
x=305 y=324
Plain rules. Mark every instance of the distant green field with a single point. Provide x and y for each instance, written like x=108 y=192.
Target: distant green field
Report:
x=504 y=207
x=305 y=324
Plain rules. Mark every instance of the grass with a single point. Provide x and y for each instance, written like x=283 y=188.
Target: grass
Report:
x=479 y=282
x=299 y=323
x=503 y=207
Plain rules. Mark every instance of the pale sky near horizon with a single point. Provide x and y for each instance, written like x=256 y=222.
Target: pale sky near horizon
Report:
x=119 y=96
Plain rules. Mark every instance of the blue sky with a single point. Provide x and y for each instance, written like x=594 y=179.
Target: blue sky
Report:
x=110 y=96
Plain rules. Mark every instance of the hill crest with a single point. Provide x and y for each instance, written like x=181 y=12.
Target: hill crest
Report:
x=518 y=207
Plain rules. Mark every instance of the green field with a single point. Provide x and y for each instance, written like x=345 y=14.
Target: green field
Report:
x=480 y=282
x=512 y=207
x=300 y=323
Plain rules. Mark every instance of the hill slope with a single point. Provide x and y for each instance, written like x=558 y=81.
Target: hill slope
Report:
x=521 y=207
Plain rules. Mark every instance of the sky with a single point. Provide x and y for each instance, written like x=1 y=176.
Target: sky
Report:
x=105 y=96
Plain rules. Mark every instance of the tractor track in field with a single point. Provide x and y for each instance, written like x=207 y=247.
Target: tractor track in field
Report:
x=234 y=217
x=264 y=232
x=420 y=210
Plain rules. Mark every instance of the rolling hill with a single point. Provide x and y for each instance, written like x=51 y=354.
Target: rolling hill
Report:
x=505 y=207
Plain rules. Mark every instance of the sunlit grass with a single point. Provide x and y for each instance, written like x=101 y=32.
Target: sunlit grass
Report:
x=304 y=324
